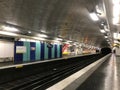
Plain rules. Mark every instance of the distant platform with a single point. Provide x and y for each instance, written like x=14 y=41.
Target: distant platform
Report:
x=4 y=65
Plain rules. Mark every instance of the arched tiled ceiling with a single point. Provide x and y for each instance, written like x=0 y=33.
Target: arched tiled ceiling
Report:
x=68 y=19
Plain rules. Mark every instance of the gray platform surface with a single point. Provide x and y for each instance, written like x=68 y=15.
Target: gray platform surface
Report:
x=106 y=77
x=2 y=64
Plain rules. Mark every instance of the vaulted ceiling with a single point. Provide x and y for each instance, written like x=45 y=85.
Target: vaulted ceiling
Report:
x=67 y=19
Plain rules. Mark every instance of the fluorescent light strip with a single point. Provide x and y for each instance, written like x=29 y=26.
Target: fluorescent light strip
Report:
x=94 y=16
x=11 y=29
x=69 y=41
x=59 y=39
x=42 y=35
x=44 y=31
x=56 y=42
x=116 y=35
x=116 y=11
x=102 y=24
x=29 y=40
x=8 y=33
x=107 y=30
x=115 y=20
x=29 y=31
x=106 y=36
x=22 y=39
x=102 y=31
x=115 y=41
x=116 y=2
x=38 y=38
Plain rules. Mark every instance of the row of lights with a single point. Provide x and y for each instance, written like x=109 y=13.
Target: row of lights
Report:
x=11 y=31
x=105 y=30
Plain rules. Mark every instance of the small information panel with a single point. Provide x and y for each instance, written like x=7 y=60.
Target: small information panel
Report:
x=20 y=49
x=33 y=48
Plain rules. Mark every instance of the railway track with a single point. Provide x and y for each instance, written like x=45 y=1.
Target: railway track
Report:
x=42 y=81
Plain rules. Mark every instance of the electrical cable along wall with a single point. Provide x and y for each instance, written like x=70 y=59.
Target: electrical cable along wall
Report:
x=35 y=51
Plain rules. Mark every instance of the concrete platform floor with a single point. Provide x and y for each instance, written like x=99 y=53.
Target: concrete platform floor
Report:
x=106 y=77
x=2 y=64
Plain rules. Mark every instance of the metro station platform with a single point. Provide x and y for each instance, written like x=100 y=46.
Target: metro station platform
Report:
x=102 y=74
x=11 y=63
x=105 y=77
x=3 y=64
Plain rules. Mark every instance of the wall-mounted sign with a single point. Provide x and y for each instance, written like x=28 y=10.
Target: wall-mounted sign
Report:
x=20 y=49
x=33 y=48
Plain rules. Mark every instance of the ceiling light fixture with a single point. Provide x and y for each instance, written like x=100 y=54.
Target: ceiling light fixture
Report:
x=106 y=36
x=116 y=35
x=43 y=31
x=22 y=39
x=107 y=30
x=115 y=41
x=115 y=20
x=56 y=42
x=11 y=29
x=38 y=38
x=59 y=39
x=8 y=33
x=29 y=31
x=115 y=2
x=42 y=35
x=116 y=11
x=102 y=24
x=102 y=31
x=69 y=41
x=94 y=16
